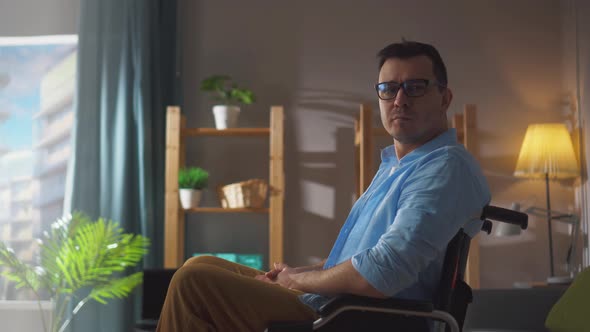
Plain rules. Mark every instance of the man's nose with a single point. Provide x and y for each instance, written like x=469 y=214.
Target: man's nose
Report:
x=401 y=100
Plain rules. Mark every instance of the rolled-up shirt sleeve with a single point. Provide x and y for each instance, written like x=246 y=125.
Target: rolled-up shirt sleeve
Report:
x=441 y=197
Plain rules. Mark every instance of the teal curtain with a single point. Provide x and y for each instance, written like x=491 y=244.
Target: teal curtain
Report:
x=126 y=76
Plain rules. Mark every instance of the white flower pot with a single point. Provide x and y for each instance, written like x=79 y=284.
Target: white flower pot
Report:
x=190 y=198
x=226 y=116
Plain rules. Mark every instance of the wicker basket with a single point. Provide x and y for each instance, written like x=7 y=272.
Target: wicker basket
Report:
x=245 y=194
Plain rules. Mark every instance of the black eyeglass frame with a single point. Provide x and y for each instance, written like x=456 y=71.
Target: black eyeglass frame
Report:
x=404 y=84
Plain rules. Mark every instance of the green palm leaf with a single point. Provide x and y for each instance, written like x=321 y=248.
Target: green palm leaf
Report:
x=22 y=274
x=78 y=253
x=118 y=288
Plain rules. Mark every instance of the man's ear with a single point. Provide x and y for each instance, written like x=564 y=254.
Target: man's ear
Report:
x=447 y=97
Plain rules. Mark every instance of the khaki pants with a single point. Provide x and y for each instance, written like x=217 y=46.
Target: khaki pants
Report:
x=211 y=294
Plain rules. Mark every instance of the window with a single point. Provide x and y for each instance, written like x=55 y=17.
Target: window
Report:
x=37 y=84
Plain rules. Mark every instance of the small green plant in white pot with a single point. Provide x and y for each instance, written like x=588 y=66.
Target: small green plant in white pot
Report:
x=191 y=182
x=229 y=98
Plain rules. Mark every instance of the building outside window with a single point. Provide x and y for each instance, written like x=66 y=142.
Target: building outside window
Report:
x=37 y=86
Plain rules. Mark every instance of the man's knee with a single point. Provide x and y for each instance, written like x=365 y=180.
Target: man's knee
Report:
x=192 y=276
x=212 y=260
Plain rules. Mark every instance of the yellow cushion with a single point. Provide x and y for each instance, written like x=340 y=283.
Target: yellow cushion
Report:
x=572 y=310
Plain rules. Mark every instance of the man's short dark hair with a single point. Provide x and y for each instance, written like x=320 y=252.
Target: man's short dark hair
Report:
x=408 y=49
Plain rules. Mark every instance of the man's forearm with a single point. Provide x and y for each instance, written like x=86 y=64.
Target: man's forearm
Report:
x=341 y=279
x=314 y=267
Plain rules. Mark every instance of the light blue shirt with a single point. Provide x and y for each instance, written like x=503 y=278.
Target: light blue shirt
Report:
x=397 y=232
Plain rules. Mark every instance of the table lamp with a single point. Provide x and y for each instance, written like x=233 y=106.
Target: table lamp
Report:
x=547 y=153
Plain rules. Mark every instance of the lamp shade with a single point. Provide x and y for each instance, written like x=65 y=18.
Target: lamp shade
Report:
x=547 y=149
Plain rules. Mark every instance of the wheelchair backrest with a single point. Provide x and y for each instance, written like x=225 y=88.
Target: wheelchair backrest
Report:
x=453 y=294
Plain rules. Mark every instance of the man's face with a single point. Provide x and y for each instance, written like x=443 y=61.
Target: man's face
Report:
x=413 y=120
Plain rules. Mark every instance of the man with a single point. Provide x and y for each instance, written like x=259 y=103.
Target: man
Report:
x=394 y=239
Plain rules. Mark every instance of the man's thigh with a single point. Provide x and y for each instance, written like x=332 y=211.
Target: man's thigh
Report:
x=237 y=301
x=224 y=264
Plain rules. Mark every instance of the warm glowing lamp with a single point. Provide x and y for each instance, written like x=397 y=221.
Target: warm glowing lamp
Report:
x=547 y=153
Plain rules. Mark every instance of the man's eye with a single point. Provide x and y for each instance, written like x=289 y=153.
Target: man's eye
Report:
x=415 y=88
x=390 y=88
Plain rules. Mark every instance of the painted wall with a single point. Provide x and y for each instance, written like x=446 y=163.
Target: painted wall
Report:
x=584 y=102
x=33 y=17
x=24 y=316
x=318 y=60
x=576 y=73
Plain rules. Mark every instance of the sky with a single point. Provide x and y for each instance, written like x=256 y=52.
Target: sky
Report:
x=23 y=64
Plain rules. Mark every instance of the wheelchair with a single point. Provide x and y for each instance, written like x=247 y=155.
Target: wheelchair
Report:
x=445 y=313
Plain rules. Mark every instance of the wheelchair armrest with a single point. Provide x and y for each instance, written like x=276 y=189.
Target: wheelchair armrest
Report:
x=390 y=303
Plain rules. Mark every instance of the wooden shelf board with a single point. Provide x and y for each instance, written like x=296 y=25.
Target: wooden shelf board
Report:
x=224 y=210
x=226 y=132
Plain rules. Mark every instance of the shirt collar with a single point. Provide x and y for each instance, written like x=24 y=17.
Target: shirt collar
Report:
x=449 y=137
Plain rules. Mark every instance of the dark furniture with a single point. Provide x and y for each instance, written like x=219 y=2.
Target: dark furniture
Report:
x=154 y=288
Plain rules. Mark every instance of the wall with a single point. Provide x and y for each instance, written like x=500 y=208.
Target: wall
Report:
x=318 y=60
x=33 y=17
x=584 y=102
x=24 y=316
x=576 y=73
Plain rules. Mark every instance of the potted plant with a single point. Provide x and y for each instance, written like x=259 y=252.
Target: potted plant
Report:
x=80 y=260
x=229 y=96
x=190 y=182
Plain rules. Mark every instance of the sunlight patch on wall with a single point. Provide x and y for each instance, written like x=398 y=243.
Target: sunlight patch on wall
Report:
x=318 y=199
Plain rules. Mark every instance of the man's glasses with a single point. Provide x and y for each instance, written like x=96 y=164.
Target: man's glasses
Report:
x=412 y=88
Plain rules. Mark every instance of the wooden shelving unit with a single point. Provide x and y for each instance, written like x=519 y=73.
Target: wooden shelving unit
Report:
x=176 y=134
